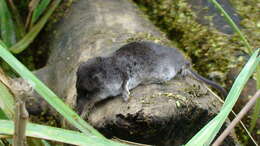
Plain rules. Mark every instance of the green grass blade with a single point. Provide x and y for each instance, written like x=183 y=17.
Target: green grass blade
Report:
x=208 y=132
x=2 y=114
x=6 y=101
x=56 y=134
x=45 y=143
x=19 y=26
x=39 y=10
x=2 y=43
x=7 y=25
x=7 y=108
x=256 y=112
x=31 y=35
x=36 y=142
x=1 y=143
x=233 y=25
x=47 y=94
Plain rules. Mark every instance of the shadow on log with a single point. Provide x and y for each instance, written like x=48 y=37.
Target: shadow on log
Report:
x=161 y=114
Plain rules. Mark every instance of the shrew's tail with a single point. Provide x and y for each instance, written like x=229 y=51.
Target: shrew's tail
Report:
x=209 y=82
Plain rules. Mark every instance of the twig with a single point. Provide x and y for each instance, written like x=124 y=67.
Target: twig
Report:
x=21 y=114
x=241 y=114
x=242 y=124
x=21 y=117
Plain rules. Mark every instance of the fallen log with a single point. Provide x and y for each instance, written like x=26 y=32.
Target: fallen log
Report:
x=161 y=114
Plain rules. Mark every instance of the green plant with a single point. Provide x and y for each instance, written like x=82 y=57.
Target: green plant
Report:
x=56 y=134
x=15 y=36
x=206 y=135
x=14 y=33
x=7 y=30
x=256 y=111
x=48 y=95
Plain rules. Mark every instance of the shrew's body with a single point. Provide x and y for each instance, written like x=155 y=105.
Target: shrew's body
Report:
x=133 y=64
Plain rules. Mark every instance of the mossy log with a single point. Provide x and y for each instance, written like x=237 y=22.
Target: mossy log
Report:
x=162 y=114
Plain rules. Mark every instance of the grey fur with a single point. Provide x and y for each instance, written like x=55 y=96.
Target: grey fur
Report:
x=133 y=64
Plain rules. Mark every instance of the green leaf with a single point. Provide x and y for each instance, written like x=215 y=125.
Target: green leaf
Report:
x=18 y=23
x=39 y=10
x=206 y=135
x=6 y=101
x=7 y=109
x=1 y=143
x=233 y=25
x=37 y=142
x=249 y=50
x=256 y=111
x=56 y=134
x=47 y=94
x=2 y=43
x=6 y=25
x=31 y=35
x=2 y=115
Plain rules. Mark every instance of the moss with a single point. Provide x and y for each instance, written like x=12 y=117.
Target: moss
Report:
x=170 y=95
x=142 y=36
x=45 y=119
x=249 y=11
x=175 y=96
x=209 y=49
x=195 y=91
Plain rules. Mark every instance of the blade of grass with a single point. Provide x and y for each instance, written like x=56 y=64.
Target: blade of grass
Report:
x=208 y=132
x=234 y=114
x=7 y=25
x=20 y=30
x=30 y=36
x=235 y=121
x=256 y=111
x=2 y=43
x=47 y=94
x=56 y=134
x=1 y=143
x=6 y=96
x=6 y=101
x=39 y=10
x=233 y=25
x=32 y=5
x=37 y=142
x=2 y=114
